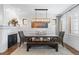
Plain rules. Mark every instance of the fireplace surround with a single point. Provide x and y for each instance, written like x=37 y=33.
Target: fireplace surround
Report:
x=12 y=40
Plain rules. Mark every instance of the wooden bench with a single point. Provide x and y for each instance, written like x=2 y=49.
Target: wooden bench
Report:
x=51 y=44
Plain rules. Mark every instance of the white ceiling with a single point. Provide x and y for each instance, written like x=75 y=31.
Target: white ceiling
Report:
x=28 y=9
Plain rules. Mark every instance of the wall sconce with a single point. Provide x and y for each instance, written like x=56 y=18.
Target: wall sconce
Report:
x=24 y=21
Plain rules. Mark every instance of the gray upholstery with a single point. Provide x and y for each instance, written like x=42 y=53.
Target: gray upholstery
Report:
x=61 y=36
x=22 y=37
x=59 y=39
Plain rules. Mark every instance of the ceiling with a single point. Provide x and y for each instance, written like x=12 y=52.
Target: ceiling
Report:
x=28 y=9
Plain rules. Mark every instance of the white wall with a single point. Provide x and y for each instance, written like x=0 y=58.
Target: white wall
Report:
x=71 y=39
x=1 y=14
x=28 y=12
x=1 y=22
x=5 y=31
x=9 y=11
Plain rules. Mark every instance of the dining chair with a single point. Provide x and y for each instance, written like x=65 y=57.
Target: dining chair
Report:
x=61 y=36
x=59 y=39
x=22 y=37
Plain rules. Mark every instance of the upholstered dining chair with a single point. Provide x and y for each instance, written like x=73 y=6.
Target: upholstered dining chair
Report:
x=61 y=36
x=59 y=39
x=22 y=37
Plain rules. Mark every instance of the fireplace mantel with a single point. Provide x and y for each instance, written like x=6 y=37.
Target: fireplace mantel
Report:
x=4 y=32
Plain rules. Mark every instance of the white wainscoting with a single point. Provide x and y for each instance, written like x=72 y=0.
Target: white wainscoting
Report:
x=4 y=32
x=72 y=40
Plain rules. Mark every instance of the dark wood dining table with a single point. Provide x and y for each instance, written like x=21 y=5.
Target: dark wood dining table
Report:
x=41 y=36
x=42 y=42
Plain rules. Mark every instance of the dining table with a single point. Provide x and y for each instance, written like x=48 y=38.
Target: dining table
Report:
x=39 y=40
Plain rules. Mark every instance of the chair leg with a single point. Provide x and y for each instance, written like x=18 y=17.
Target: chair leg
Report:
x=56 y=47
x=62 y=44
x=19 y=44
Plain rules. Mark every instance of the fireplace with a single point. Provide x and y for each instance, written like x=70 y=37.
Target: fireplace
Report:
x=12 y=40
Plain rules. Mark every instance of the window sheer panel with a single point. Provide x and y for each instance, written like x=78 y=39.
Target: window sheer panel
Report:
x=75 y=25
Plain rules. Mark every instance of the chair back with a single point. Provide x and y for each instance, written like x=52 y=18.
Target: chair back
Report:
x=61 y=34
x=21 y=35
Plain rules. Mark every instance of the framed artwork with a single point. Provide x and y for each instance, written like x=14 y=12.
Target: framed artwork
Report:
x=39 y=25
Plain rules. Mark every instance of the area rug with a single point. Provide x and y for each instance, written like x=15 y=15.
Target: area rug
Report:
x=41 y=50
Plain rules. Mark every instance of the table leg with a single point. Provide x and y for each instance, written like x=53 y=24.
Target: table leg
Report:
x=56 y=47
x=27 y=47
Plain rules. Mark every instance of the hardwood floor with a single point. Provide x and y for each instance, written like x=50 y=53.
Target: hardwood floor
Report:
x=13 y=48
x=10 y=50
x=73 y=50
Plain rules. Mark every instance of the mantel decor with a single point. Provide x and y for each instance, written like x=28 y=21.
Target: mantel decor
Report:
x=13 y=22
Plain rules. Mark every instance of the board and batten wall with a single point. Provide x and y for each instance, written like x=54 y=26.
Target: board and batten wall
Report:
x=19 y=12
x=1 y=21
x=1 y=14
x=7 y=12
x=70 y=39
x=5 y=31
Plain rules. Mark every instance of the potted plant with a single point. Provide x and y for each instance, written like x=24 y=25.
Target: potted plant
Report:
x=13 y=22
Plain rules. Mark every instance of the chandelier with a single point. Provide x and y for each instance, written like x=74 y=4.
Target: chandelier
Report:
x=41 y=19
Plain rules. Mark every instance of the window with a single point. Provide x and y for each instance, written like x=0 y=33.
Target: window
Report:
x=70 y=24
x=75 y=25
x=63 y=23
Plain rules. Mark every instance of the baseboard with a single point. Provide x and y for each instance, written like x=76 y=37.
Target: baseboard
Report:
x=73 y=50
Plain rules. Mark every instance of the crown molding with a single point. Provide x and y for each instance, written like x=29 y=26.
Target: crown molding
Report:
x=68 y=9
